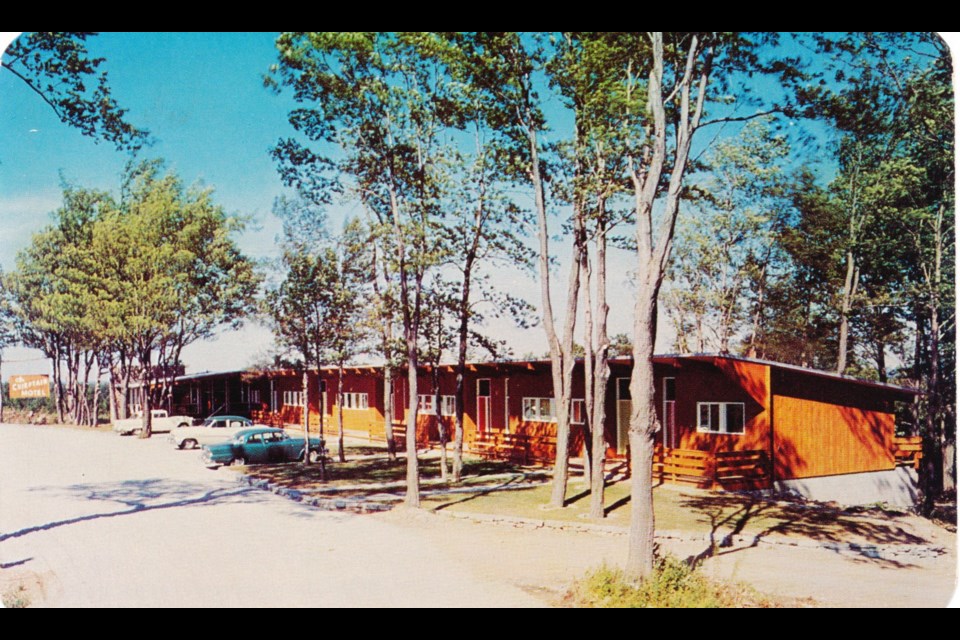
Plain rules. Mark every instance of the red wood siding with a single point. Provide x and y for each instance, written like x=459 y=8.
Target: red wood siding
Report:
x=719 y=381
x=826 y=427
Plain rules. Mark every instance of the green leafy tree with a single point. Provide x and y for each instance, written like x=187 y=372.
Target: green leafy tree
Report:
x=377 y=97
x=59 y=69
x=169 y=274
x=57 y=309
x=501 y=69
x=719 y=279
x=586 y=69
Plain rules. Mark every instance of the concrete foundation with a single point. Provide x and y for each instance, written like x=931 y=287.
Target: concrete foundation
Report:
x=896 y=487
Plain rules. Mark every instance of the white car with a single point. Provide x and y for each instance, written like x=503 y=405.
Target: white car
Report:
x=213 y=430
x=160 y=421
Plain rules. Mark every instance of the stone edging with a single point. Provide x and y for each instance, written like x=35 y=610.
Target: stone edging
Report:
x=353 y=505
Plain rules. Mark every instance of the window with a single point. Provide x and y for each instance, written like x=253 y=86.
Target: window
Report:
x=293 y=398
x=448 y=406
x=539 y=410
x=720 y=417
x=194 y=395
x=425 y=405
x=577 y=410
x=254 y=396
x=355 y=400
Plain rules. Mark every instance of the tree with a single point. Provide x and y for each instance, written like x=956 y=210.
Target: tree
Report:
x=683 y=73
x=890 y=102
x=719 y=281
x=586 y=70
x=376 y=96
x=58 y=68
x=500 y=68
x=8 y=336
x=298 y=306
x=343 y=275
x=169 y=274
x=54 y=300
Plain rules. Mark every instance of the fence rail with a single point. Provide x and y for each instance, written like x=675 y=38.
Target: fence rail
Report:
x=724 y=469
x=908 y=451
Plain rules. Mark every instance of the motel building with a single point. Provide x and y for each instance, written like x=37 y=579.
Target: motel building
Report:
x=728 y=422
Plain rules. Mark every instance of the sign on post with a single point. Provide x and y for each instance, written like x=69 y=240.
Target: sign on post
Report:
x=29 y=387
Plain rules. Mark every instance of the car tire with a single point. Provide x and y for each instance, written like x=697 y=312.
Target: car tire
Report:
x=189 y=443
x=313 y=457
x=238 y=462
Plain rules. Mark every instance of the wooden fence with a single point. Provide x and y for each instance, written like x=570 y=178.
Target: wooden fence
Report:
x=908 y=450
x=732 y=470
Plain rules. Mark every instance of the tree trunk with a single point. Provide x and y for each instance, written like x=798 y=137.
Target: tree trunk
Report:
x=96 y=395
x=849 y=289
x=643 y=429
x=462 y=344
x=343 y=456
x=388 y=411
x=601 y=377
x=306 y=415
x=146 y=396
x=458 y=411
x=412 y=498
x=561 y=362
x=441 y=427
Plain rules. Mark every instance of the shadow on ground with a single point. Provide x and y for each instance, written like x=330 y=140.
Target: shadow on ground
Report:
x=755 y=518
x=136 y=496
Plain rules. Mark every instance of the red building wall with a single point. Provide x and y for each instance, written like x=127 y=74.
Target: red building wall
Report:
x=826 y=426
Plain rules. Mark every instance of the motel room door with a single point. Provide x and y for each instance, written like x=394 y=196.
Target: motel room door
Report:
x=624 y=407
x=483 y=405
x=670 y=436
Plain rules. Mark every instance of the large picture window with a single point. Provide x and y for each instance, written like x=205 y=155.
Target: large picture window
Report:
x=293 y=398
x=539 y=410
x=355 y=400
x=720 y=417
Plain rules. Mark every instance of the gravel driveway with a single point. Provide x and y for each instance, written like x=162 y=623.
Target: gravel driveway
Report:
x=93 y=519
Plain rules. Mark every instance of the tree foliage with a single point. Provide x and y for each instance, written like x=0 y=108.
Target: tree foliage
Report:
x=58 y=67
x=129 y=280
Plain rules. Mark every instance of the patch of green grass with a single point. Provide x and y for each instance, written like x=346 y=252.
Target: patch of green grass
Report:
x=673 y=584
x=376 y=472
x=16 y=598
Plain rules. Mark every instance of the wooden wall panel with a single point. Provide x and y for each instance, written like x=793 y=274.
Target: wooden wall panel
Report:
x=813 y=438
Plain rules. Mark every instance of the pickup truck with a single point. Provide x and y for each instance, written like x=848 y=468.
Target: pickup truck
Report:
x=160 y=421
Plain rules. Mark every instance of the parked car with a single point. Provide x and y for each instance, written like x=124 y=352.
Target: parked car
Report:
x=260 y=445
x=160 y=421
x=214 y=429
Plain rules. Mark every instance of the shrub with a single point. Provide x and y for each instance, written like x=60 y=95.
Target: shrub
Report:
x=673 y=584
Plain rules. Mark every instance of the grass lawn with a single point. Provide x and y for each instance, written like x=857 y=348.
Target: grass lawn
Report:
x=367 y=473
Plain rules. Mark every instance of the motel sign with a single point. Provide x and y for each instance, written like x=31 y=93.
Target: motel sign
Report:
x=29 y=387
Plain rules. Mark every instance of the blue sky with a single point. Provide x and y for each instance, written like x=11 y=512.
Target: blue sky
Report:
x=201 y=96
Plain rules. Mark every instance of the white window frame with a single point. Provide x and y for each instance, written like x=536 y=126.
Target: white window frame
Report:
x=723 y=426
x=577 y=402
x=293 y=398
x=448 y=405
x=254 y=396
x=425 y=403
x=355 y=401
x=533 y=410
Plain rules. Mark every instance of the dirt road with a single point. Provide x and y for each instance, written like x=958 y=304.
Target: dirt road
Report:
x=92 y=519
